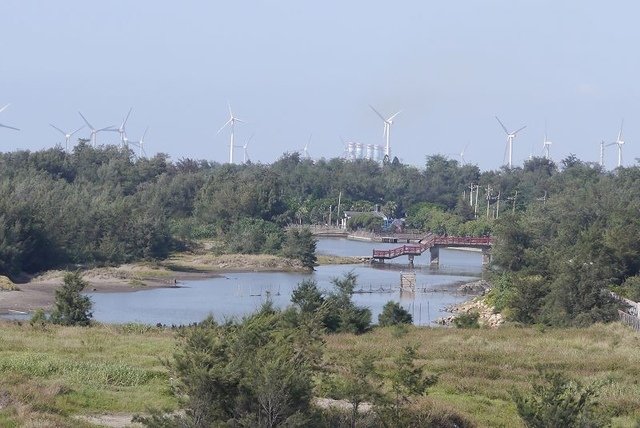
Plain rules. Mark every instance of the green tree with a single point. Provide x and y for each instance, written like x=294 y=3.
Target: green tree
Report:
x=560 y=402
x=394 y=314
x=71 y=307
x=301 y=245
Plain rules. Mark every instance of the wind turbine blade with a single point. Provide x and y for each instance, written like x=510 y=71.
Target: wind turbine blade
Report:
x=239 y=120
x=107 y=128
x=75 y=130
x=224 y=126
x=378 y=113
x=502 y=124
x=87 y=122
x=124 y=122
x=230 y=112
x=10 y=127
x=515 y=132
x=4 y=108
x=58 y=129
x=620 y=133
x=144 y=134
x=394 y=115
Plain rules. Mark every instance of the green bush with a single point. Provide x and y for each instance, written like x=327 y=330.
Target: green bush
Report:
x=394 y=314
x=468 y=320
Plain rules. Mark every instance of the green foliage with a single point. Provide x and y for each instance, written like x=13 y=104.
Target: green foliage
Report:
x=71 y=307
x=630 y=288
x=407 y=380
x=467 y=320
x=394 y=314
x=300 y=245
x=560 y=402
x=336 y=311
x=39 y=318
x=253 y=236
x=365 y=221
x=307 y=297
x=254 y=373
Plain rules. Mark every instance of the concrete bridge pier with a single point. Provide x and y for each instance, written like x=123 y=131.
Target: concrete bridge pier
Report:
x=486 y=256
x=435 y=256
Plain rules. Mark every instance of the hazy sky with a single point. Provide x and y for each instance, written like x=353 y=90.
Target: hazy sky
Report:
x=295 y=68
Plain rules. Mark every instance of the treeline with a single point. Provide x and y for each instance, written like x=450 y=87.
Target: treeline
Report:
x=105 y=206
x=557 y=260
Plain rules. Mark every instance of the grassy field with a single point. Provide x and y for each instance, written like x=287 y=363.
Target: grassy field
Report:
x=48 y=376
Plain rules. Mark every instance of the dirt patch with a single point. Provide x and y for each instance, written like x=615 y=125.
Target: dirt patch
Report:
x=112 y=421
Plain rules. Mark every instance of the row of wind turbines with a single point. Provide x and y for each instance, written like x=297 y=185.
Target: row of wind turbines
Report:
x=231 y=123
x=546 y=144
x=93 y=136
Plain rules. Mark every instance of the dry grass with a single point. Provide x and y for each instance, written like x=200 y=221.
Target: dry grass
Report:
x=7 y=285
x=231 y=262
x=47 y=376
x=478 y=369
x=51 y=374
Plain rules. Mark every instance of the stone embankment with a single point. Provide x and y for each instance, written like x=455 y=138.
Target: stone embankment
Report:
x=487 y=316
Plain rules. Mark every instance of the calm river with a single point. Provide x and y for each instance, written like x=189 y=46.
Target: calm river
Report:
x=238 y=294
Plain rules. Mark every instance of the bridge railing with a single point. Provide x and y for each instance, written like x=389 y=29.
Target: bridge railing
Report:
x=430 y=241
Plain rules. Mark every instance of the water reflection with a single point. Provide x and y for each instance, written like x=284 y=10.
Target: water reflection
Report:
x=238 y=294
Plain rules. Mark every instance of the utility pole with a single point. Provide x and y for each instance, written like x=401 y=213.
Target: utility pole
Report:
x=498 y=206
x=513 y=198
x=488 y=199
x=475 y=209
x=338 y=214
x=330 y=211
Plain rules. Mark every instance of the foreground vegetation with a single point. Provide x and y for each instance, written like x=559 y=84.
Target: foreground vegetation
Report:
x=52 y=374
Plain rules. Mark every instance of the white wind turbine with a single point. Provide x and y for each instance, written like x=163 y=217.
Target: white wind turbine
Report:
x=619 y=142
x=305 y=150
x=245 y=153
x=386 y=132
x=140 y=143
x=94 y=131
x=7 y=126
x=546 y=144
x=232 y=120
x=124 y=141
x=510 y=137
x=67 y=135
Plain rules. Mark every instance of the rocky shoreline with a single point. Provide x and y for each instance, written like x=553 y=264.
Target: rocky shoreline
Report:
x=487 y=316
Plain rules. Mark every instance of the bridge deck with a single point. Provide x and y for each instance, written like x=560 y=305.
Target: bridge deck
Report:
x=434 y=241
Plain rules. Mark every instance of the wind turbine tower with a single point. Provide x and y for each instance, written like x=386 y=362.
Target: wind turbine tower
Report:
x=232 y=122
x=94 y=131
x=141 y=143
x=123 y=133
x=602 y=154
x=67 y=135
x=510 y=137
x=546 y=144
x=619 y=142
x=386 y=132
x=6 y=126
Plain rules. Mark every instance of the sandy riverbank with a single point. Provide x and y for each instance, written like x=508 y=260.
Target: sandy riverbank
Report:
x=39 y=291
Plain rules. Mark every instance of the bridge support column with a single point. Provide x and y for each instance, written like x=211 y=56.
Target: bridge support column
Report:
x=486 y=257
x=435 y=256
x=411 y=256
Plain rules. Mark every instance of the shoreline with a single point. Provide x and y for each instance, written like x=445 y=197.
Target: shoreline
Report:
x=39 y=291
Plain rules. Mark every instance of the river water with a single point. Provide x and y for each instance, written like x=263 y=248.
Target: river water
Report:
x=237 y=294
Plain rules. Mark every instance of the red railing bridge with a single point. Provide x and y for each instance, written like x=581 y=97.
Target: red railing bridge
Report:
x=433 y=243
